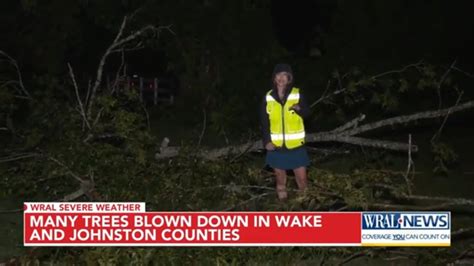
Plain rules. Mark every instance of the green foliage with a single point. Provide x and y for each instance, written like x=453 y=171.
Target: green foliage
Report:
x=410 y=89
x=444 y=157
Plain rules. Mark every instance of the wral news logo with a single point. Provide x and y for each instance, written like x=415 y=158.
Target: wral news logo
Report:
x=406 y=229
x=406 y=220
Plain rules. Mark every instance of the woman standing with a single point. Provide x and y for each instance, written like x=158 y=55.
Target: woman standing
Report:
x=281 y=115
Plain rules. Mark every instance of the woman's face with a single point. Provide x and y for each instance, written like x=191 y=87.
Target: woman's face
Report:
x=282 y=79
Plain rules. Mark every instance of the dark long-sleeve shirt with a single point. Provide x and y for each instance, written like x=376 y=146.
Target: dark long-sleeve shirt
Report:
x=264 y=119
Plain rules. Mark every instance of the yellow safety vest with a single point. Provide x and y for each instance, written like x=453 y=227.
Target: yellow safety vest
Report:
x=286 y=126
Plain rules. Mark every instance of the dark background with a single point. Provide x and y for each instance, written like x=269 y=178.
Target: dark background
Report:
x=43 y=36
x=238 y=43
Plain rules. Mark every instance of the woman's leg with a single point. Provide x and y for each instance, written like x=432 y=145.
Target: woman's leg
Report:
x=281 y=183
x=301 y=178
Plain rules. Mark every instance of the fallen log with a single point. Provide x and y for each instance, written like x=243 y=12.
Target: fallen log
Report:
x=343 y=134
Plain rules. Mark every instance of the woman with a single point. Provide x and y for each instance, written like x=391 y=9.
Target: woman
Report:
x=281 y=115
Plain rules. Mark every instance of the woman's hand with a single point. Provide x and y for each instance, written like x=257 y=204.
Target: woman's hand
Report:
x=270 y=146
x=295 y=107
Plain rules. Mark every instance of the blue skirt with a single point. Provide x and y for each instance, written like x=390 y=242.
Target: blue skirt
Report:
x=288 y=159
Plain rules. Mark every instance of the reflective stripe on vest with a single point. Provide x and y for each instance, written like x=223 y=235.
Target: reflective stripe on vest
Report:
x=286 y=126
x=295 y=96
x=288 y=136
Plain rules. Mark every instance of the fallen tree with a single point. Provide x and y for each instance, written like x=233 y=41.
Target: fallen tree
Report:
x=89 y=106
x=347 y=133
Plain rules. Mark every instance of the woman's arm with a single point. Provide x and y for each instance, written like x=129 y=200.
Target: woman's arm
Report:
x=264 y=123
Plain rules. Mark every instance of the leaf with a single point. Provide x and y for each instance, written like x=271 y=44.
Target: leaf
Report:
x=403 y=85
x=351 y=87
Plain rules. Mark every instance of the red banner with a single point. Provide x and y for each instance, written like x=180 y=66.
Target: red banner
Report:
x=127 y=224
